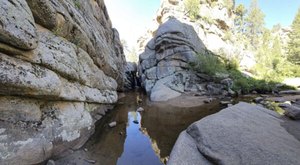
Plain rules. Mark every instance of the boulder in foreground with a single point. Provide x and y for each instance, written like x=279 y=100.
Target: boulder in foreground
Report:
x=241 y=134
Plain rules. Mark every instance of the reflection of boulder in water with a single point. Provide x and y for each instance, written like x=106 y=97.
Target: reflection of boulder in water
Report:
x=106 y=145
x=100 y=146
x=163 y=124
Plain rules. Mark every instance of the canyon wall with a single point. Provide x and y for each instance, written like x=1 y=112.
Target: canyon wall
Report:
x=61 y=64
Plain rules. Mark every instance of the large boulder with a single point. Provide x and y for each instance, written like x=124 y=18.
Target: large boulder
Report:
x=241 y=134
x=164 y=65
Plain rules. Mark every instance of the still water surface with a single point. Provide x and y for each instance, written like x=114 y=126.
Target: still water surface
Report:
x=140 y=138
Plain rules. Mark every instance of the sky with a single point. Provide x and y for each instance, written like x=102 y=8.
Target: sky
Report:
x=276 y=11
x=132 y=17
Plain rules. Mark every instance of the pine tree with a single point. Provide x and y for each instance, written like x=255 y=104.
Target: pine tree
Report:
x=294 y=44
x=254 y=24
x=239 y=20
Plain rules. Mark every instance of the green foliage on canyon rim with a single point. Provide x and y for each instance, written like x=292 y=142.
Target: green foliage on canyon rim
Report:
x=213 y=65
x=273 y=61
x=192 y=7
x=294 y=44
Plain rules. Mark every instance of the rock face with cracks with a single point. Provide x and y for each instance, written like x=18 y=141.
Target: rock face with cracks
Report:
x=61 y=64
x=168 y=48
x=164 y=66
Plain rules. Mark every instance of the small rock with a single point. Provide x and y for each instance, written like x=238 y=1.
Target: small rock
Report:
x=85 y=149
x=208 y=100
x=90 y=161
x=112 y=124
x=140 y=109
x=292 y=112
x=258 y=99
x=254 y=92
x=228 y=82
x=231 y=92
x=283 y=105
x=50 y=162
x=121 y=133
x=229 y=105
x=225 y=102
x=136 y=122
x=290 y=92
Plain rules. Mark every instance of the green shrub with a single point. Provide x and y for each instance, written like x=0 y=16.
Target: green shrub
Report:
x=208 y=64
x=192 y=7
x=211 y=65
x=209 y=20
x=228 y=35
x=77 y=4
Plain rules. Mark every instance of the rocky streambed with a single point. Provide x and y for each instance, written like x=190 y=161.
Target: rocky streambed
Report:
x=147 y=136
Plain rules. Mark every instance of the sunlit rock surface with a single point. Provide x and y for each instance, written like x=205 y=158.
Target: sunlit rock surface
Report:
x=60 y=61
x=241 y=134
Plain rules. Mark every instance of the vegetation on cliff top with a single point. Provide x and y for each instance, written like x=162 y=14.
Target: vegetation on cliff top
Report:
x=294 y=44
x=274 y=61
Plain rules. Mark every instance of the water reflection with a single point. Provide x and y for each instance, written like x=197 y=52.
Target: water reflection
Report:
x=163 y=123
x=144 y=138
x=137 y=146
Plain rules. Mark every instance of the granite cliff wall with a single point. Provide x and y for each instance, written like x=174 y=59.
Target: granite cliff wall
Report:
x=61 y=65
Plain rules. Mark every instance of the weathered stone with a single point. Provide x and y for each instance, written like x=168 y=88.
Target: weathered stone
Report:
x=184 y=32
x=239 y=134
x=174 y=45
x=56 y=58
x=17 y=27
x=258 y=99
x=18 y=109
x=112 y=124
x=290 y=92
x=43 y=13
x=50 y=162
x=292 y=111
x=87 y=25
x=69 y=128
x=161 y=92
x=69 y=61
x=215 y=89
x=18 y=77
x=185 y=152
x=140 y=109
x=228 y=82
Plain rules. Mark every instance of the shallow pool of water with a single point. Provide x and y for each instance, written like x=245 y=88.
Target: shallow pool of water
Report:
x=140 y=138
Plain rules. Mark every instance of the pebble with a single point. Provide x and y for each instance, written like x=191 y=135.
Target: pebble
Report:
x=112 y=124
x=140 y=109
x=90 y=161
x=50 y=162
x=258 y=99
x=225 y=102
x=208 y=100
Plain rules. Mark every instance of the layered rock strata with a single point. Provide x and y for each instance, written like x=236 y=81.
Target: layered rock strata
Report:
x=164 y=66
x=61 y=64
